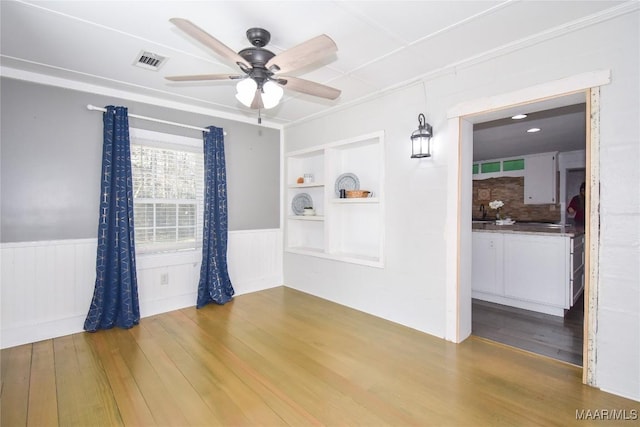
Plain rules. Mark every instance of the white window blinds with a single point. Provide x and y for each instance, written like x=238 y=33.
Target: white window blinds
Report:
x=168 y=185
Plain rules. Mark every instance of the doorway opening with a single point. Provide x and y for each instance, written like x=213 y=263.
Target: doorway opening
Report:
x=505 y=309
x=460 y=125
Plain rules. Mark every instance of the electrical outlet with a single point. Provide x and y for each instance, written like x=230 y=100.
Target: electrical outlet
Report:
x=164 y=279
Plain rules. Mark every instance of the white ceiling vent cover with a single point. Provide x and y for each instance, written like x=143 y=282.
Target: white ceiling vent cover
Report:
x=149 y=60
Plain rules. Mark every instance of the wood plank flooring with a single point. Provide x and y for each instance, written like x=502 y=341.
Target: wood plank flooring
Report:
x=552 y=336
x=282 y=357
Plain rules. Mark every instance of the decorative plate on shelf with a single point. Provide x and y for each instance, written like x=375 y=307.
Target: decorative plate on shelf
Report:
x=347 y=181
x=301 y=201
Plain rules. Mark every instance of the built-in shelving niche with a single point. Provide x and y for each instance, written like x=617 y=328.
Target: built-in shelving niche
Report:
x=348 y=230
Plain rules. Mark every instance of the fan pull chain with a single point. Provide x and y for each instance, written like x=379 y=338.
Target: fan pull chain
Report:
x=259 y=117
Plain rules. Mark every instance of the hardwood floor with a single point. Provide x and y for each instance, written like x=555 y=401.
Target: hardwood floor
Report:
x=282 y=357
x=553 y=336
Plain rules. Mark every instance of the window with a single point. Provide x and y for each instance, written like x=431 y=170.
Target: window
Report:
x=167 y=191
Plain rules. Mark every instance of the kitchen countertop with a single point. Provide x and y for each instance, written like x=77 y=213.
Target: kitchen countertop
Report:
x=529 y=228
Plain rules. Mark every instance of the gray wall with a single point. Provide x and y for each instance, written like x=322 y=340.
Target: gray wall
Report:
x=51 y=148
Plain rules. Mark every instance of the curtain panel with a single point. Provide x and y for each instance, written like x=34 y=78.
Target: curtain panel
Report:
x=215 y=284
x=115 y=297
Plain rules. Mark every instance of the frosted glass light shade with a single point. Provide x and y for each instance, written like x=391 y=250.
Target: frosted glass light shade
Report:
x=246 y=91
x=271 y=94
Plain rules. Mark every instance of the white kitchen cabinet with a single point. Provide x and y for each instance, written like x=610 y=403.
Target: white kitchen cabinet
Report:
x=540 y=179
x=577 y=268
x=349 y=230
x=535 y=268
x=538 y=272
x=486 y=263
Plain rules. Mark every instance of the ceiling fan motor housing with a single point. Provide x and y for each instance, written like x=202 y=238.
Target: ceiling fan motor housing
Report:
x=258 y=37
x=257 y=56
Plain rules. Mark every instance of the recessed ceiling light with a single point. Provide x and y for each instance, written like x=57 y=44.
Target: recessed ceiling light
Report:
x=533 y=130
x=519 y=116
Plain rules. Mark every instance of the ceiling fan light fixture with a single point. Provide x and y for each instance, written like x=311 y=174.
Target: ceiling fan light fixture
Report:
x=271 y=94
x=246 y=91
x=261 y=87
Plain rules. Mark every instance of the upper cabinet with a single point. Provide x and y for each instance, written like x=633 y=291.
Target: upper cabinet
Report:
x=344 y=229
x=540 y=179
x=539 y=171
x=499 y=168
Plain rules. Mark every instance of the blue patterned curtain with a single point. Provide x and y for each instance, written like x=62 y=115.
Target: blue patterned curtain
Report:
x=215 y=284
x=115 y=297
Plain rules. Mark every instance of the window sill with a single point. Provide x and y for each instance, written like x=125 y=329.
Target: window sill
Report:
x=168 y=258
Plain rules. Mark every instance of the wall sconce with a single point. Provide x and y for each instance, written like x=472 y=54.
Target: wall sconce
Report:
x=421 y=139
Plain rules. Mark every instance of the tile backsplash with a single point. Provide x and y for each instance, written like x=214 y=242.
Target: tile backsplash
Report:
x=511 y=191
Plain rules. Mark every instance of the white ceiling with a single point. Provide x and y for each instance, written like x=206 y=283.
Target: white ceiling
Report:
x=562 y=123
x=381 y=44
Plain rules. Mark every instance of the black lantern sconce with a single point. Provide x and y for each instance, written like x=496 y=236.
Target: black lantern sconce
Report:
x=421 y=139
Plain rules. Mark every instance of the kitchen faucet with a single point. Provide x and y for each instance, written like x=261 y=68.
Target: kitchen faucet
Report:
x=483 y=210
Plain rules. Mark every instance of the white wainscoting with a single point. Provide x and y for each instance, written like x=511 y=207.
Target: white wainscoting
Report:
x=46 y=287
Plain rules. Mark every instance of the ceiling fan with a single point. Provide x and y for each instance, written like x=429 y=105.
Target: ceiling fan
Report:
x=261 y=85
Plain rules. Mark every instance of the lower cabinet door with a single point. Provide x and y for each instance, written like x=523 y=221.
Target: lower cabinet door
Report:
x=486 y=264
x=535 y=268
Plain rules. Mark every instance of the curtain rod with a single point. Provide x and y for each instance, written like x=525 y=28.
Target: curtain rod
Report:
x=151 y=119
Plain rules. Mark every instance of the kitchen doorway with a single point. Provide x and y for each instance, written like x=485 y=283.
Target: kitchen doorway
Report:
x=498 y=313
x=460 y=124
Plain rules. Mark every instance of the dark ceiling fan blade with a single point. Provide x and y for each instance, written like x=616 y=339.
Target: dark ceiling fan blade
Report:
x=208 y=40
x=199 y=77
x=257 y=101
x=303 y=54
x=310 y=88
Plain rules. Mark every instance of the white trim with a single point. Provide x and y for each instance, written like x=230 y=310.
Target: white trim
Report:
x=40 y=243
x=254 y=231
x=565 y=86
x=165 y=140
x=592 y=242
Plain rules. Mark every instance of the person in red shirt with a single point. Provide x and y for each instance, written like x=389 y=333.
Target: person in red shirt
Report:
x=576 y=208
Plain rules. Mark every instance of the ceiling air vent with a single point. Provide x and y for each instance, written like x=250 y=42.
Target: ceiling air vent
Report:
x=149 y=60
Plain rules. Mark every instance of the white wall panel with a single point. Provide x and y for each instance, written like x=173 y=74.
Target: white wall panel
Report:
x=46 y=287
